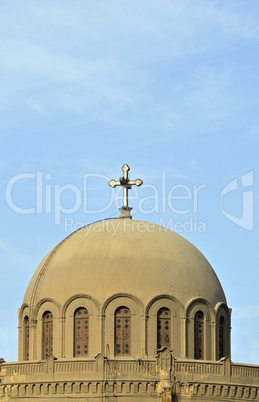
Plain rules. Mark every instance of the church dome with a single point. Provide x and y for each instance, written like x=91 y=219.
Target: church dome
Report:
x=124 y=256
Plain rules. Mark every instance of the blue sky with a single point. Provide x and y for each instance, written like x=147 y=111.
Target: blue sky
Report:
x=169 y=87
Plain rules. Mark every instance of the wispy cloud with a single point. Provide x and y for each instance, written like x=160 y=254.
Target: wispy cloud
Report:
x=193 y=164
x=102 y=61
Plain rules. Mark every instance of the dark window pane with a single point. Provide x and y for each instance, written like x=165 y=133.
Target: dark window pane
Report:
x=199 y=335
x=47 y=333
x=164 y=328
x=81 y=332
x=122 y=331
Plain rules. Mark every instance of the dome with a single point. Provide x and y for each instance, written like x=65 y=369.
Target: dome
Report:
x=124 y=256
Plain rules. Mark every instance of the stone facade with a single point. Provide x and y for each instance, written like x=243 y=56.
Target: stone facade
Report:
x=163 y=378
x=143 y=326
x=146 y=271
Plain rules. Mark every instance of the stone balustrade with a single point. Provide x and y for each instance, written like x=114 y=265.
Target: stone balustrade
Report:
x=100 y=374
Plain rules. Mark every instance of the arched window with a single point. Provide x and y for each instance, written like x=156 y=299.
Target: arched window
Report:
x=199 y=336
x=81 y=332
x=26 y=332
x=164 y=328
x=47 y=334
x=221 y=336
x=122 y=331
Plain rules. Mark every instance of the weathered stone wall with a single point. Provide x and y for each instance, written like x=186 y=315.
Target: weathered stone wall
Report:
x=101 y=379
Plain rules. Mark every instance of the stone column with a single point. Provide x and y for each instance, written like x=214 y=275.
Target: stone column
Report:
x=183 y=337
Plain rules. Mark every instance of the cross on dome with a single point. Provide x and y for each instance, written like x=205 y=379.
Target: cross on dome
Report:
x=126 y=183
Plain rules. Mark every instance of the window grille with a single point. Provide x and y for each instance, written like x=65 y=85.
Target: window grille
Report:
x=221 y=336
x=81 y=332
x=164 y=328
x=122 y=331
x=199 y=336
x=47 y=334
x=26 y=338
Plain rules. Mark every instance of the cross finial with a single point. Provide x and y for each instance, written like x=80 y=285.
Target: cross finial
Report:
x=126 y=183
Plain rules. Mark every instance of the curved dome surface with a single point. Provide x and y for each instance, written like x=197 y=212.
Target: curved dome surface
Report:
x=124 y=256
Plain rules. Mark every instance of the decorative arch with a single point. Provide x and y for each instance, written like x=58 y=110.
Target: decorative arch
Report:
x=194 y=303
x=156 y=331
x=223 y=328
x=123 y=295
x=79 y=297
x=222 y=308
x=56 y=307
x=23 y=316
x=178 y=306
x=23 y=310
x=109 y=331
x=69 y=327
x=47 y=305
x=200 y=334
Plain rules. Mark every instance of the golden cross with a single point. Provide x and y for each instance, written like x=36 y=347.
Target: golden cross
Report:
x=126 y=183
